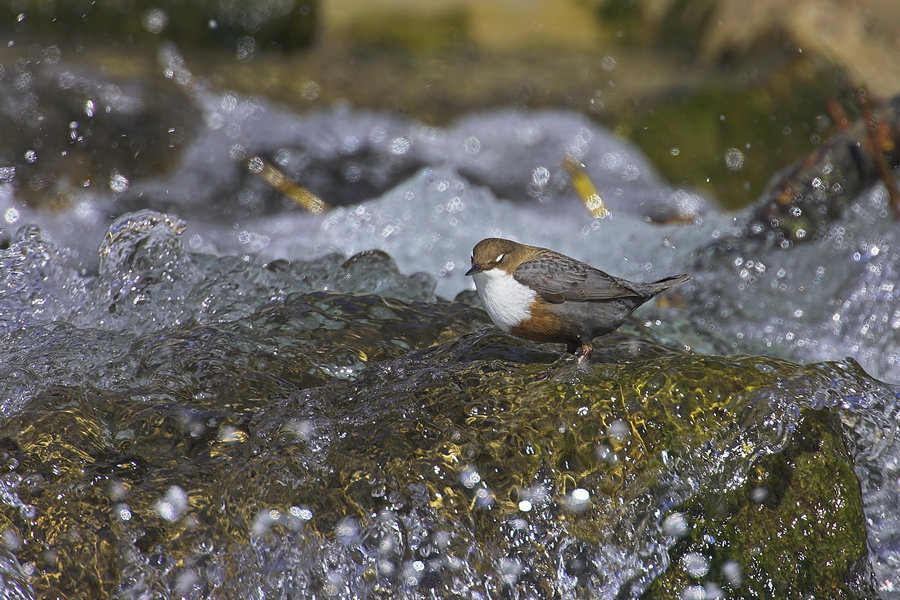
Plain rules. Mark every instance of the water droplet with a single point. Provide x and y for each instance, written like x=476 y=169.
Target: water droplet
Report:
x=7 y=174
x=694 y=592
x=301 y=513
x=310 y=90
x=246 y=46
x=255 y=165
x=346 y=530
x=123 y=512
x=11 y=540
x=695 y=564
x=731 y=570
x=263 y=521
x=759 y=494
x=541 y=176
x=578 y=501
x=631 y=173
x=399 y=146
x=118 y=182
x=470 y=477
x=52 y=55
x=510 y=569
x=155 y=20
x=30 y=156
x=484 y=498
x=173 y=504
x=734 y=159
x=334 y=582
x=676 y=525
x=455 y=204
x=618 y=431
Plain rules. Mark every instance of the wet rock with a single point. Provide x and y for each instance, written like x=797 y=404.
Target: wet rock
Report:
x=329 y=427
x=480 y=464
x=745 y=542
x=811 y=199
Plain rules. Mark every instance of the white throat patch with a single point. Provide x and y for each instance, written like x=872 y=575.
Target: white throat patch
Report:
x=506 y=300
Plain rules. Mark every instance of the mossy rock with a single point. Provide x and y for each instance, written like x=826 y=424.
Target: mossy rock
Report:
x=793 y=529
x=453 y=461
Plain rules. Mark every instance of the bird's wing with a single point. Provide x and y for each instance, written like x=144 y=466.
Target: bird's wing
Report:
x=560 y=278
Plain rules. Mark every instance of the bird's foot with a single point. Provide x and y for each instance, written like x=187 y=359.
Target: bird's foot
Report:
x=572 y=373
x=586 y=351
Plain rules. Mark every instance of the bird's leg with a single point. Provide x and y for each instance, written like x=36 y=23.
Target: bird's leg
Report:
x=586 y=350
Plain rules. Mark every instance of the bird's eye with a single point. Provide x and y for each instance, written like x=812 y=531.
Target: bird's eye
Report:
x=500 y=258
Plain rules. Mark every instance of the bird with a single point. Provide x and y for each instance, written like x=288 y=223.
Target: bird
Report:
x=544 y=296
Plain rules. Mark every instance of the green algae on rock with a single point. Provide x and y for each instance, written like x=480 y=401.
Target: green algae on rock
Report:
x=464 y=467
x=755 y=540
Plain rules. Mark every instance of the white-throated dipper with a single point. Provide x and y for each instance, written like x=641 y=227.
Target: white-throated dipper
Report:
x=544 y=296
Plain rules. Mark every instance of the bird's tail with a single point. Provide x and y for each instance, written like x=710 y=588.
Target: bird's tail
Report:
x=666 y=283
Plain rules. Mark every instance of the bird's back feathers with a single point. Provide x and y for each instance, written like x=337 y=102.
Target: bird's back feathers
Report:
x=558 y=278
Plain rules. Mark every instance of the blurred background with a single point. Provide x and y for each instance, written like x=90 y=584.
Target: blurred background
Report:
x=719 y=94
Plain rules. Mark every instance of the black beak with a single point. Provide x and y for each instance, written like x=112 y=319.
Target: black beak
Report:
x=473 y=270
